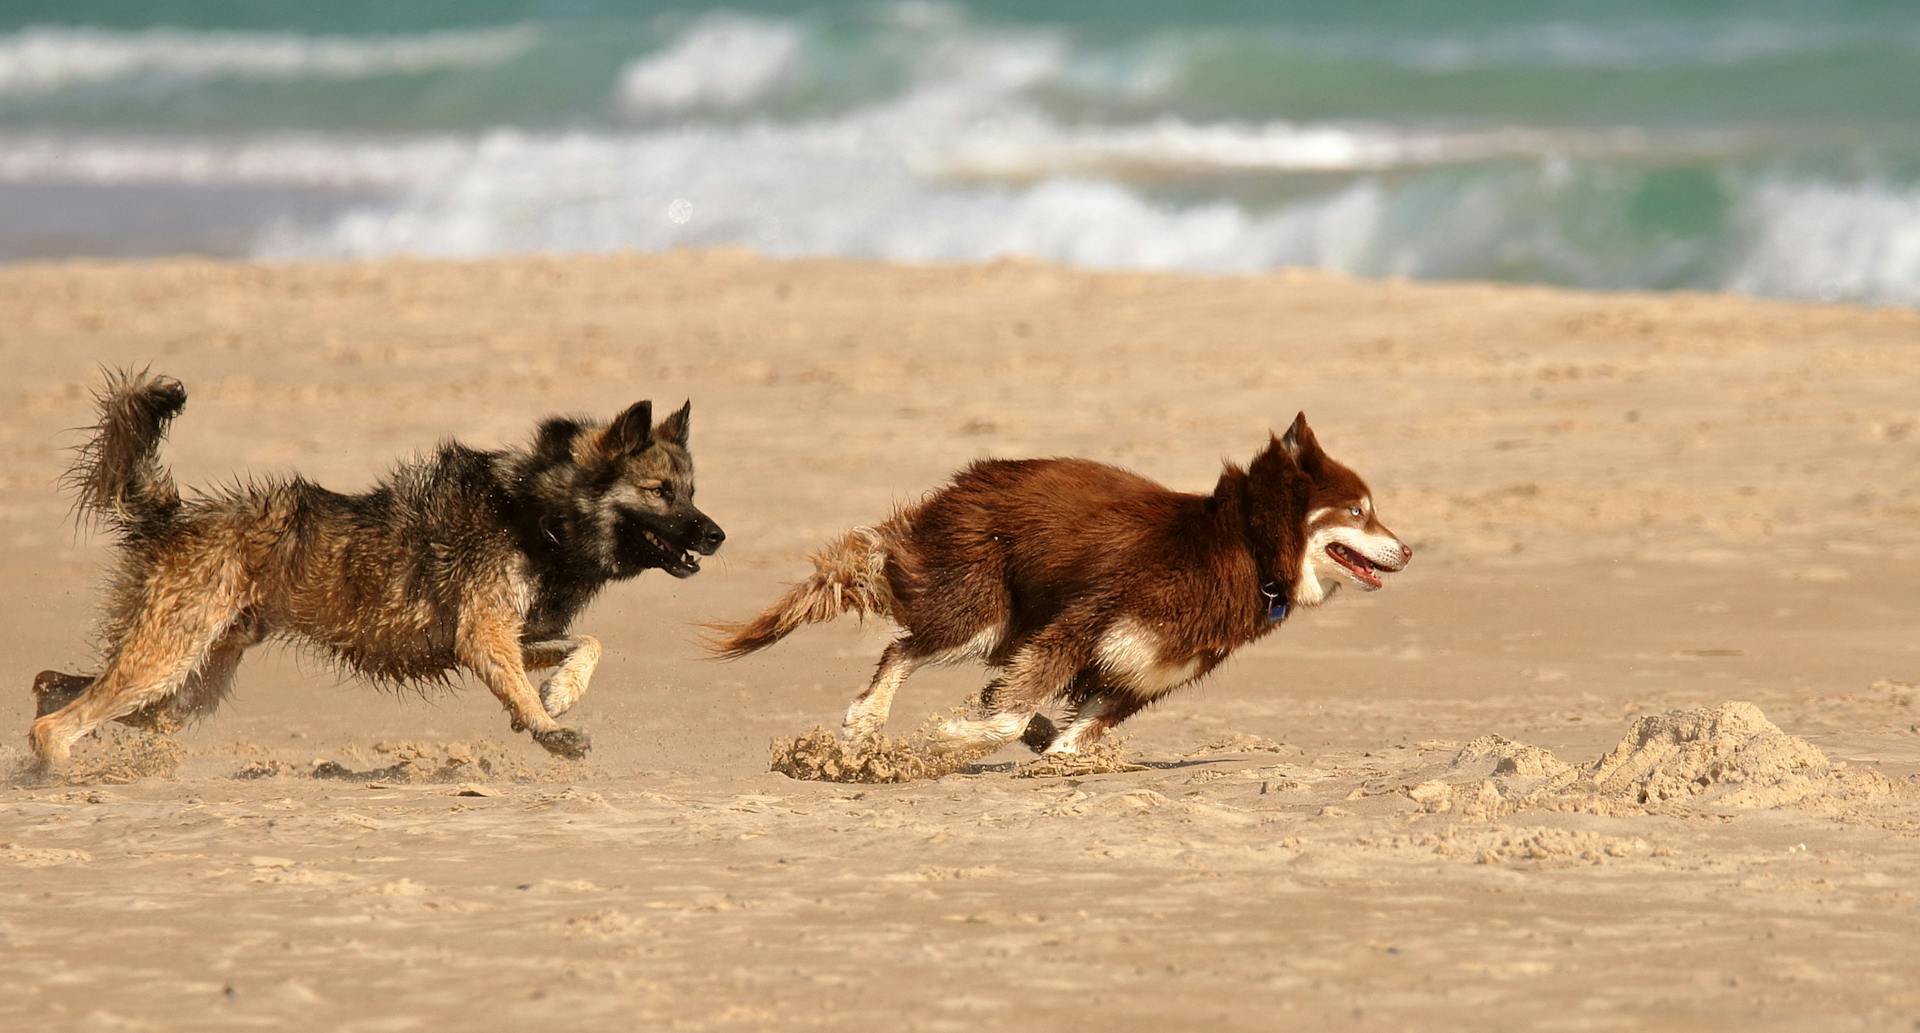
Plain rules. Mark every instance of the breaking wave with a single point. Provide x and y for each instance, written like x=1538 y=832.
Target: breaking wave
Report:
x=51 y=58
x=1513 y=147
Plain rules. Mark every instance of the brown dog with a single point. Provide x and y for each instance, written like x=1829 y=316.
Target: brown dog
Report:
x=1083 y=582
x=466 y=559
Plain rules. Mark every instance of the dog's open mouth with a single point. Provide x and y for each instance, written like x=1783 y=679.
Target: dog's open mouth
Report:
x=673 y=559
x=1362 y=569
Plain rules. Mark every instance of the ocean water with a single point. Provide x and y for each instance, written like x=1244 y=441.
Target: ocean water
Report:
x=1764 y=147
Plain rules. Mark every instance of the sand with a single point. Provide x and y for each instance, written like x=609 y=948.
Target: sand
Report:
x=1632 y=745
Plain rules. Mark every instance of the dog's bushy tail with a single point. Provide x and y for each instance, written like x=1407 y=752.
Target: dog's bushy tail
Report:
x=849 y=576
x=116 y=476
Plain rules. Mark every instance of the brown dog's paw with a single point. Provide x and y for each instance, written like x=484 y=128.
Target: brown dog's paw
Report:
x=1040 y=733
x=570 y=743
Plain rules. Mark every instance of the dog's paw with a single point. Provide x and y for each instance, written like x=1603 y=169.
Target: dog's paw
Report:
x=571 y=743
x=51 y=751
x=54 y=689
x=859 y=732
x=1040 y=733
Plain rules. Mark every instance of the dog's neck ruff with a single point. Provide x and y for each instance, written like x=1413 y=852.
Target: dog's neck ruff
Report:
x=1275 y=594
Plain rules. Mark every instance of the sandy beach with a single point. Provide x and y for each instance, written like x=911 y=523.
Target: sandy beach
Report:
x=1667 y=554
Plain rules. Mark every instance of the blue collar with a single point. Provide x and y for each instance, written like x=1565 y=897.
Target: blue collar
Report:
x=1275 y=594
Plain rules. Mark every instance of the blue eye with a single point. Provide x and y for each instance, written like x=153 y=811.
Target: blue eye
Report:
x=1354 y=511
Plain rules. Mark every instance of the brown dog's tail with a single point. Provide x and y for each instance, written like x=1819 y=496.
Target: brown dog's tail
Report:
x=116 y=474
x=849 y=576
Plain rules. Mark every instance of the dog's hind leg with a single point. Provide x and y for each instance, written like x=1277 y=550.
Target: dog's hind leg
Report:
x=199 y=695
x=869 y=711
x=491 y=650
x=209 y=684
x=152 y=662
x=575 y=656
x=54 y=689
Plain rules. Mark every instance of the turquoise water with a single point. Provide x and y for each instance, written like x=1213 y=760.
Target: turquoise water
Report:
x=1770 y=148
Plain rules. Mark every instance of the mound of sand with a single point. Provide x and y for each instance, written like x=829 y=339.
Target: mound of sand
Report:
x=1490 y=776
x=1727 y=756
x=1499 y=756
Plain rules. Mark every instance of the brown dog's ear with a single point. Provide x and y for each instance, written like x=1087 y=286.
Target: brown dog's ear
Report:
x=630 y=431
x=1300 y=444
x=675 y=427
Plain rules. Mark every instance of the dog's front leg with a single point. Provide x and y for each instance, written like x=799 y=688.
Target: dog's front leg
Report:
x=492 y=652
x=575 y=656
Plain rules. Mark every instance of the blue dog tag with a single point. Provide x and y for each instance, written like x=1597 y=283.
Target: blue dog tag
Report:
x=1276 y=596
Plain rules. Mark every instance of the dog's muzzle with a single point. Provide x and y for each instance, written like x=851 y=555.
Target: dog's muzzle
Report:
x=670 y=545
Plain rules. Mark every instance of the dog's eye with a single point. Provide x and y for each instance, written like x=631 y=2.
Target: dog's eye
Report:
x=1354 y=512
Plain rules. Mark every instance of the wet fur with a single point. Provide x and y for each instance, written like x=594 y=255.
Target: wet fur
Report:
x=1081 y=582
x=465 y=559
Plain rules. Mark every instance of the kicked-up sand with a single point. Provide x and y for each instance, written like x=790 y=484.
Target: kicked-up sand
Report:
x=1632 y=745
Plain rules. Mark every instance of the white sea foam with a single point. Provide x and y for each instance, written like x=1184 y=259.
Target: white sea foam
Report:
x=581 y=192
x=49 y=59
x=721 y=61
x=1831 y=242
x=1630 y=45
x=1016 y=146
x=290 y=160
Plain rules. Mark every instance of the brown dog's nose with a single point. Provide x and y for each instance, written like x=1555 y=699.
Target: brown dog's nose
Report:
x=1406 y=554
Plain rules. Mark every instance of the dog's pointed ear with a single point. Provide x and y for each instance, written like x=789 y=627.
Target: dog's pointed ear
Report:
x=675 y=427
x=1300 y=445
x=553 y=442
x=630 y=431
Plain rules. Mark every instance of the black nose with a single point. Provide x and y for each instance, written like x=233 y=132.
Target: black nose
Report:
x=710 y=538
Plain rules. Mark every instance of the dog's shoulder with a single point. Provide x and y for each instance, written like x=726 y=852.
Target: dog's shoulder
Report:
x=453 y=491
